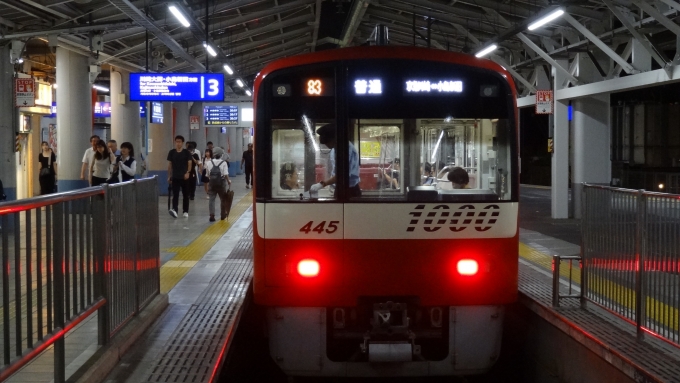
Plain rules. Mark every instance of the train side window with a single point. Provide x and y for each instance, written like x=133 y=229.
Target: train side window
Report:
x=298 y=160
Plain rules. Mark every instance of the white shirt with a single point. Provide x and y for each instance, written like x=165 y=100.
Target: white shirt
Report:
x=88 y=157
x=131 y=171
x=224 y=167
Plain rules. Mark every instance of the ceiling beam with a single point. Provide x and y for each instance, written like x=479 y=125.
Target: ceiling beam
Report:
x=603 y=36
x=317 y=21
x=72 y=30
x=547 y=58
x=637 y=35
x=140 y=18
x=663 y=20
x=598 y=43
x=356 y=13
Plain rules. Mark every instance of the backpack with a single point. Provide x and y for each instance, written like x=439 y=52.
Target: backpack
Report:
x=216 y=180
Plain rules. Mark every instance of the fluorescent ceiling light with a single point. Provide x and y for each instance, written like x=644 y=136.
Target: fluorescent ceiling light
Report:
x=239 y=82
x=486 y=50
x=548 y=18
x=210 y=50
x=176 y=12
x=228 y=69
x=248 y=92
x=100 y=88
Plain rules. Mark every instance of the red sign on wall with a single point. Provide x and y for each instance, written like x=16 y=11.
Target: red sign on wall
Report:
x=24 y=92
x=544 y=102
x=194 y=122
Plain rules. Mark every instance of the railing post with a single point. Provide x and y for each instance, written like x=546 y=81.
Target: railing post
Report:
x=583 y=252
x=138 y=244
x=640 y=305
x=100 y=249
x=59 y=292
x=556 y=281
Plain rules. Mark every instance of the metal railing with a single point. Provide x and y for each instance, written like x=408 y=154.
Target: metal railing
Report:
x=631 y=256
x=71 y=255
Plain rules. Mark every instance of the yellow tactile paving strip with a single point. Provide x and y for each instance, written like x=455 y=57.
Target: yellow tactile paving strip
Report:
x=605 y=287
x=187 y=256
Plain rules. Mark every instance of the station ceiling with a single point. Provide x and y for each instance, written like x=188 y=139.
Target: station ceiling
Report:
x=248 y=34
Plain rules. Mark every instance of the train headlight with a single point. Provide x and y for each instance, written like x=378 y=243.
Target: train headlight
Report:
x=308 y=268
x=467 y=267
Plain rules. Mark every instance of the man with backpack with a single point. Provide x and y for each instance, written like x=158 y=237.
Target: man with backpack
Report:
x=217 y=171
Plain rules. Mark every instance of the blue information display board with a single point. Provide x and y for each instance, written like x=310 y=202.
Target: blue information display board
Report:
x=156 y=113
x=177 y=87
x=221 y=114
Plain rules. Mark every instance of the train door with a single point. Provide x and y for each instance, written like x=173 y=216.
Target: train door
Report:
x=298 y=224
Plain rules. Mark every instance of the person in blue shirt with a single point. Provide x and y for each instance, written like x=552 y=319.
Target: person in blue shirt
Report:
x=327 y=137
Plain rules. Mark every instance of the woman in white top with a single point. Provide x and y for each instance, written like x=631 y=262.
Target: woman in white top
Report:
x=101 y=165
x=126 y=163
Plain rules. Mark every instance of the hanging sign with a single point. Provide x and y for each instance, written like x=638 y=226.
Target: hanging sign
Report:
x=544 y=102
x=194 y=122
x=24 y=92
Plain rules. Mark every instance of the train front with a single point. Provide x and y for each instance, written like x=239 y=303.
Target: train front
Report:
x=386 y=209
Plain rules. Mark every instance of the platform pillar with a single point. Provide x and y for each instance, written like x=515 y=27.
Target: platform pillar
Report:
x=182 y=120
x=212 y=134
x=235 y=144
x=160 y=143
x=8 y=124
x=125 y=126
x=198 y=136
x=74 y=117
x=560 y=155
x=590 y=145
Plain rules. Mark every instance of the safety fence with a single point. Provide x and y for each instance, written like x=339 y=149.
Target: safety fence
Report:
x=68 y=256
x=630 y=251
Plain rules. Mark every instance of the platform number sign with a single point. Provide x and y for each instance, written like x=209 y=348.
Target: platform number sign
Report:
x=544 y=102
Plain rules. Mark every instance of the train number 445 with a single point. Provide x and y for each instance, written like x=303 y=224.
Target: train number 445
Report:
x=320 y=228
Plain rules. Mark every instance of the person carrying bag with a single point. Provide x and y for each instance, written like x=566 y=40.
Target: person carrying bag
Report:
x=218 y=176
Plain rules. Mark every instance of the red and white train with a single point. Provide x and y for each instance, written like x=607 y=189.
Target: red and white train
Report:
x=385 y=243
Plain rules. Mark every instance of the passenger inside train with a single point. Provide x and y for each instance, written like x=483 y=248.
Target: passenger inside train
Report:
x=289 y=176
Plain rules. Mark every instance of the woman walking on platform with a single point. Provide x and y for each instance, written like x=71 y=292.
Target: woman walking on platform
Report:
x=48 y=169
x=204 y=176
x=101 y=166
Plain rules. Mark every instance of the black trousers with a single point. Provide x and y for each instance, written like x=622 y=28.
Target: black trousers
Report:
x=192 y=185
x=182 y=184
x=249 y=176
x=46 y=184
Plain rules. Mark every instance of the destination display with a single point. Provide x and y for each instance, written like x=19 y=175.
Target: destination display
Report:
x=177 y=87
x=221 y=115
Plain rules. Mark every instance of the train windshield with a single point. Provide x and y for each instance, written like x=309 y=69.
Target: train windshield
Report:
x=387 y=130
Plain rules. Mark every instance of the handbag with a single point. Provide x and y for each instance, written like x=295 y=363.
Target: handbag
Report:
x=48 y=170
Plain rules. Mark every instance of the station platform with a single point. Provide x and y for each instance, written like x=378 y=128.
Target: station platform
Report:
x=207 y=269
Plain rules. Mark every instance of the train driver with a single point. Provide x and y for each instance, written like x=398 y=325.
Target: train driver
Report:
x=459 y=178
x=327 y=137
x=289 y=176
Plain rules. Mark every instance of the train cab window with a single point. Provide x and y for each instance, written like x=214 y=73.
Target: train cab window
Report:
x=433 y=159
x=465 y=159
x=299 y=160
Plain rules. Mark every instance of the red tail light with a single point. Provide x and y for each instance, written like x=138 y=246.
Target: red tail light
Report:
x=308 y=268
x=467 y=267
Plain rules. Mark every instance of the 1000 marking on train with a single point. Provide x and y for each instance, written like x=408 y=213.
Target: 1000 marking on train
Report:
x=431 y=220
